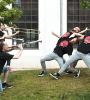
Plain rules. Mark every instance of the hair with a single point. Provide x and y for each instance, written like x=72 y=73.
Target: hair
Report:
x=78 y=29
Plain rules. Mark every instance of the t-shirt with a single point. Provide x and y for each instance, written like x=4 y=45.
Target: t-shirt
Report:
x=3 y=58
x=84 y=46
x=1 y=35
x=63 y=45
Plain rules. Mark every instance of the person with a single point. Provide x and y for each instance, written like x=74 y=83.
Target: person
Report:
x=63 y=46
x=6 y=57
x=82 y=52
x=3 y=37
x=4 y=33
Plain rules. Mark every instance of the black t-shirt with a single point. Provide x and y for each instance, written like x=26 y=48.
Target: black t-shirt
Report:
x=3 y=58
x=1 y=35
x=60 y=50
x=84 y=46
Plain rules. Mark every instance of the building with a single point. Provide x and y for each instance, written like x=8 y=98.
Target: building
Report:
x=46 y=16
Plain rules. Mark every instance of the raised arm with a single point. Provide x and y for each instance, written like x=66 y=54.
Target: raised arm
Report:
x=83 y=31
x=59 y=36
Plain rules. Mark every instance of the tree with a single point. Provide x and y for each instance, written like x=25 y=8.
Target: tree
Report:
x=8 y=15
x=85 y=4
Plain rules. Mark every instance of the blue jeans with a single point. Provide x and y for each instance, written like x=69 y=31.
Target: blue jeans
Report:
x=49 y=57
x=74 y=57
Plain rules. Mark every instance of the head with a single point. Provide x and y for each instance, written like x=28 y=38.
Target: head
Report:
x=2 y=26
x=76 y=29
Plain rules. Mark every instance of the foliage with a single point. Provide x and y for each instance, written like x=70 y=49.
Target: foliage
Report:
x=85 y=4
x=8 y=15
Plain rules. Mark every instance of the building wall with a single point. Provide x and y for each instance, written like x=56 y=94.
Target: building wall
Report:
x=52 y=18
x=49 y=21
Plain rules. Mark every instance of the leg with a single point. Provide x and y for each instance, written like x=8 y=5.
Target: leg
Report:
x=71 y=68
x=86 y=59
x=73 y=57
x=49 y=57
x=5 y=74
x=59 y=61
x=72 y=65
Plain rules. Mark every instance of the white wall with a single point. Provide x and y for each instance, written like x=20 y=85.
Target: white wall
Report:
x=63 y=16
x=49 y=20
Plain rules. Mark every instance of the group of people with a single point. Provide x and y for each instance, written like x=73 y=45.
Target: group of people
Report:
x=5 y=56
x=65 y=46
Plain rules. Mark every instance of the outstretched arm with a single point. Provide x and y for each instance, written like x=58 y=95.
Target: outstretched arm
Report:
x=83 y=31
x=11 y=48
x=59 y=36
x=9 y=36
x=18 y=54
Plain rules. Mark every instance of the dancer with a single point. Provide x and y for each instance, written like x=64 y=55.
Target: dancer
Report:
x=82 y=52
x=63 y=46
x=6 y=57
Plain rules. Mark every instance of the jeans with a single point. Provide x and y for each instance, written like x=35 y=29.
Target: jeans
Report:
x=52 y=56
x=74 y=57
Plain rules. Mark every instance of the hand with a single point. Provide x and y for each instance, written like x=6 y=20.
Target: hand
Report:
x=52 y=33
x=17 y=32
x=86 y=28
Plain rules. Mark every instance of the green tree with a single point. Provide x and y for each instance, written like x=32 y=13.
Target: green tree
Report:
x=85 y=4
x=9 y=15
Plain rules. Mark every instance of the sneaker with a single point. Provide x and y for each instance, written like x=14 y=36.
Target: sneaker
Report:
x=6 y=85
x=42 y=74
x=69 y=72
x=77 y=74
x=55 y=75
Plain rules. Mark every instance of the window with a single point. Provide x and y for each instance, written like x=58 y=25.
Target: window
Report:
x=25 y=36
x=77 y=16
x=28 y=23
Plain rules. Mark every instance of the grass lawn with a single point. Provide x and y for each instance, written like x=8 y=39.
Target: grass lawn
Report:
x=28 y=86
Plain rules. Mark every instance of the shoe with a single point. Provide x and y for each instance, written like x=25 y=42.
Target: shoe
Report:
x=69 y=72
x=77 y=74
x=42 y=73
x=6 y=85
x=55 y=75
x=65 y=73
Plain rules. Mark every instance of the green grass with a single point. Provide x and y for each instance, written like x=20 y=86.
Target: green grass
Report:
x=28 y=86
